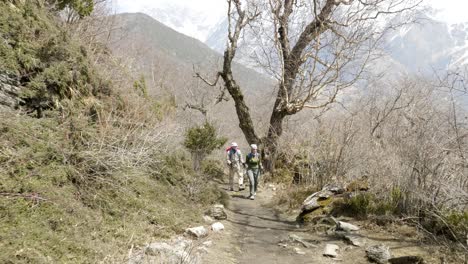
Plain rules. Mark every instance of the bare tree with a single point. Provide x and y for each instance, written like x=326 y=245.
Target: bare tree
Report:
x=314 y=49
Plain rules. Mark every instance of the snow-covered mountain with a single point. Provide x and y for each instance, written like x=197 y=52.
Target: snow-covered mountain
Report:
x=421 y=47
x=185 y=19
x=429 y=45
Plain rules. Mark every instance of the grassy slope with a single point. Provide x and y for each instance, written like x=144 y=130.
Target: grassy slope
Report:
x=56 y=203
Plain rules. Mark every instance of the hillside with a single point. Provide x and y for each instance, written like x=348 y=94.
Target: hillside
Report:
x=147 y=38
x=105 y=158
x=85 y=171
x=169 y=60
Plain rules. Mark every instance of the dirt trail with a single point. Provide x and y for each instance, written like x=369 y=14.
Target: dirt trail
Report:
x=255 y=233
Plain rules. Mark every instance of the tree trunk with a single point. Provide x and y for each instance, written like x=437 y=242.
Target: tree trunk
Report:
x=242 y=110
x=270 y=142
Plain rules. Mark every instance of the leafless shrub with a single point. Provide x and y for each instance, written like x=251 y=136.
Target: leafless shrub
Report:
x=409 y=135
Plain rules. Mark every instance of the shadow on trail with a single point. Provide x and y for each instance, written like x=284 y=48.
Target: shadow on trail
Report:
x=239 y=196
x=245 y=223
x=278 y=220
x=277 y=223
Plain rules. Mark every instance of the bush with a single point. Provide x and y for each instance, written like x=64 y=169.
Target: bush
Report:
x=49 y=64
x=364 y=204
x=449 y=223
x=213 y=169
x=201 y=141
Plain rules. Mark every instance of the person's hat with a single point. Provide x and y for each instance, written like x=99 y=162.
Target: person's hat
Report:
x=233 y=144
x=253 y=146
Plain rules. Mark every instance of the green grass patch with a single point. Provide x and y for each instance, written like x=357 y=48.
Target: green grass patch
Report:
x=46 y=215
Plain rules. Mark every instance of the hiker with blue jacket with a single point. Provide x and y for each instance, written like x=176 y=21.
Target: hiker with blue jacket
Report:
x=254 y=166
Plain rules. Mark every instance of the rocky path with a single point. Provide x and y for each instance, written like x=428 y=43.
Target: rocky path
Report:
x=255 y=233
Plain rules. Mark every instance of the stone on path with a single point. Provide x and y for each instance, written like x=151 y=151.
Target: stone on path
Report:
x=217 y=227
x=331 y=250
x=353 y=240
x=296 y=238
x=379 y=254
x=198 y=232
x=299 y=251
x=346 y=226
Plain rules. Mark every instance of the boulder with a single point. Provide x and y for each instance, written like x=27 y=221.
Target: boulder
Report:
x=316 y=200
x=331 y=250
x=217 y=227
x=198 y=232
x=379 y=254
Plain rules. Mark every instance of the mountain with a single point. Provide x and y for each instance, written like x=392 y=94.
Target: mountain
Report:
x=152 y=42
x=186 y=19
x=169 y=59
x=420 y=47
x=429 y=45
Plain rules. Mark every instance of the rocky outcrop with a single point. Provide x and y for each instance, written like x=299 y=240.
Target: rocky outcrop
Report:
x=9 y=92
x=318 y=203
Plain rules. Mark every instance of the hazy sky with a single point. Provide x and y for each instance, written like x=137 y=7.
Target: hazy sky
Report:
x=452 y=11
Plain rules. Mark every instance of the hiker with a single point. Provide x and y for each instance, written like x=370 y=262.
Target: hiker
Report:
x=234 y=161
x=254 y=166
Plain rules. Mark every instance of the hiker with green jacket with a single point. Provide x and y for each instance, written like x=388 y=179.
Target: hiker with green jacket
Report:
x=254 y=166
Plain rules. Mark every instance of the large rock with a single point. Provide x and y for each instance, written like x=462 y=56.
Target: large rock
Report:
x=217 y=212
x=379 y=254
x=316 y=200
